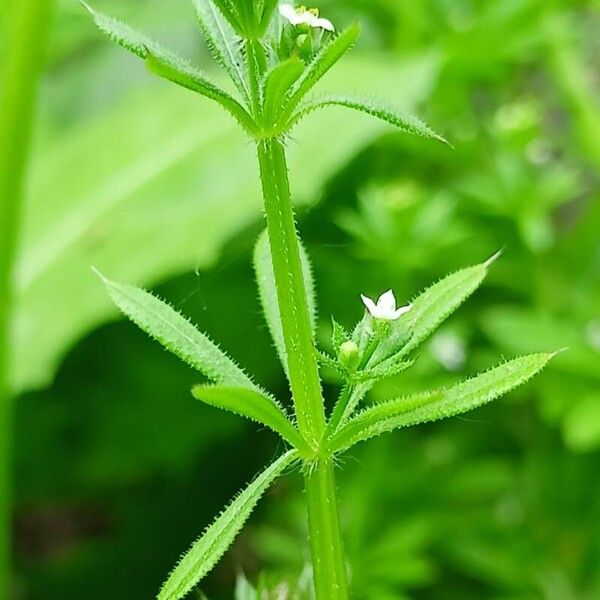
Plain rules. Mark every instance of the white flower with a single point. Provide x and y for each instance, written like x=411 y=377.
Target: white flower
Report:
x=302 y=16
x=385 y=308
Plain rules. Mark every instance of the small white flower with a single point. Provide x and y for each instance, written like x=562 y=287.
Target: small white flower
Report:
x=302 y=16
x=385 y=308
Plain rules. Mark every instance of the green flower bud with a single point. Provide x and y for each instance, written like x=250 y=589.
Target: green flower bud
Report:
x=349 y=355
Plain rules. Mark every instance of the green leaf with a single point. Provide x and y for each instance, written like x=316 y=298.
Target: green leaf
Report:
x=434 y=405
x=384 y=370
x=265 y=277
x=223 y=43
x=338 y=335
x=215 y=541
x=230 y=12
x=278 y=83
x=405 y=122
x=189 y=79
x=177 y=334
x=254 y=406
x=129 y=189
x=325 y=59
x=167 y=64
x=267 y=13
x=429 y=310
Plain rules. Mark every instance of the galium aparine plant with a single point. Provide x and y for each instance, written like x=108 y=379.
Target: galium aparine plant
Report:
x=275 y=53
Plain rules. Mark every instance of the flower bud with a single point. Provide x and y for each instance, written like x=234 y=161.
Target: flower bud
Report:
x=349 y=355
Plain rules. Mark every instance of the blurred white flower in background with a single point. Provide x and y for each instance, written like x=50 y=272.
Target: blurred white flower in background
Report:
x=449 y=350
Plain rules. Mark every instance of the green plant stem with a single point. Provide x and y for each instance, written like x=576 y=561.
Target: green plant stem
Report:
x=324 y=530
x=323 y=520
x=24 y=33
x=291 y=292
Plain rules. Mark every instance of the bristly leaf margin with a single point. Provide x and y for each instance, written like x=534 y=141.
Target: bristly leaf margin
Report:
x=439 y=404
x=168 y=65
x=407 y=123
x=255 y=406
x=173 y=331
x=214 y=542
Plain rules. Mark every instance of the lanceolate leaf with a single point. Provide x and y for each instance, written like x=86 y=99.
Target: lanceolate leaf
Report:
x=431 y=406
x=254 y=406
x=189 y=79
x=209 y=548
x=321 y=64
x=429 y=310
x=230 y=12
x=177 y=334
x=277 y=84
x=223 y=43
x=166 y=64
x=268 y=292
x=405 y=122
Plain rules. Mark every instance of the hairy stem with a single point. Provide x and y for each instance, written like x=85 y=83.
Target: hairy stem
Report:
x=323 y=520
x=324 y=529
x=24 y=32
x=291 y=292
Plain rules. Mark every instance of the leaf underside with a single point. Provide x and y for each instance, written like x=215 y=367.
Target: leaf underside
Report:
x=439 y=404
x=215 y=541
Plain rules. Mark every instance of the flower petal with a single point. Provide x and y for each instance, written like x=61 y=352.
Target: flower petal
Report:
x=287 y=11
x=323 y=24
x=371 y=306
x=291 y=14
x=401 y=311
x=387 y=302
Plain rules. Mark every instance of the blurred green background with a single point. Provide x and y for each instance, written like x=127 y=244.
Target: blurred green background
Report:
x=118 y=468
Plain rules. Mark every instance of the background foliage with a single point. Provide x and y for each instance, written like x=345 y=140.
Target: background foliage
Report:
x=118 y=467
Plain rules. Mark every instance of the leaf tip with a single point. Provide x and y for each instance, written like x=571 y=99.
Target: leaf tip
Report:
x=557 y=352
x=490 y=261
x=198 y=389
x=99 y=274
x=87 y=7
